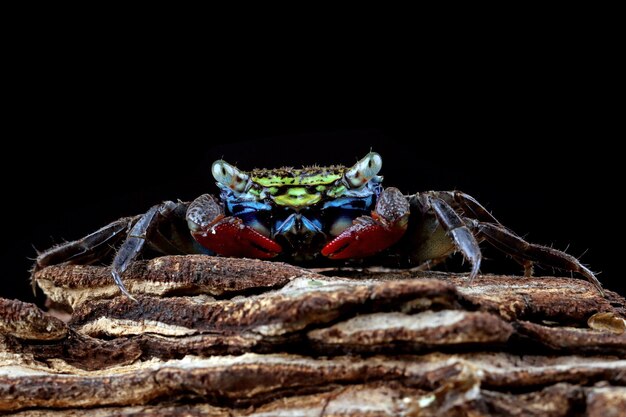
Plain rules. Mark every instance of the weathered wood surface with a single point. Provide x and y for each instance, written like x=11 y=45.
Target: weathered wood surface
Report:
x=230 y=337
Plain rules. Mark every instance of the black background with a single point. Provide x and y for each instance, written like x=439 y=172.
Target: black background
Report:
x=544 y=171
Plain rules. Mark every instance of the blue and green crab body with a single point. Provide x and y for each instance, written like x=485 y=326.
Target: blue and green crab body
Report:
x=302 y=213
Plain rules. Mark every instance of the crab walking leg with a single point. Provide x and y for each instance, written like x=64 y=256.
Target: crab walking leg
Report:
x=89 y=249
x=371 y=234
x=131 y=248
x=470 y=206
x=456 y=228
x=137 y=238
x=511 y=244
x=226 y=235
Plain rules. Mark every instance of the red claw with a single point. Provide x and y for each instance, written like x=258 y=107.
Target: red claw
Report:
x=370 y=235
x=365 y=237
x=230 y=237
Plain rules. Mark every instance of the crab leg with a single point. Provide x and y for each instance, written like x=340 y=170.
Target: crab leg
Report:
x=511 y=244
x=371 y=234
x=226 y=235
x=456 y=228
x=471 y=206
x=136 y=239
x=87 y=250
x=90 y=248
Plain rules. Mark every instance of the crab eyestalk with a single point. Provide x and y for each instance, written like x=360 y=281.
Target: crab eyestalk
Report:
x=364 y=170
x=229 y=176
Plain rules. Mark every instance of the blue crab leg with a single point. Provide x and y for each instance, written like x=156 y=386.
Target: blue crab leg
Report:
x=131 y=247
x=456 y=228
x=136 y=239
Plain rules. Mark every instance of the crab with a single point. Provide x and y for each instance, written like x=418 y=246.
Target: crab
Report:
x=333 y=214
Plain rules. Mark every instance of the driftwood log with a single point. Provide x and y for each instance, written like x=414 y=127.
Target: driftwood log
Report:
x=235 y=337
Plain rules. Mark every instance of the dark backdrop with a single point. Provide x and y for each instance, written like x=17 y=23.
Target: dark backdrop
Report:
x=543 y=170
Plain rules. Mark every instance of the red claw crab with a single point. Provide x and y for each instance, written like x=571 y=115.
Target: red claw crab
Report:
x=305 y=215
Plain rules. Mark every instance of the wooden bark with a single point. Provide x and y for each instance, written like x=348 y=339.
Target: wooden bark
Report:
x=230 y=337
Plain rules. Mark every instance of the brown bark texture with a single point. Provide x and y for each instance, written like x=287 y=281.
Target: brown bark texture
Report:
x=212 y=336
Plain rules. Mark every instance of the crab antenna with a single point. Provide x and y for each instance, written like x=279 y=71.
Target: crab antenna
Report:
x=229 y=176
x=364 y=170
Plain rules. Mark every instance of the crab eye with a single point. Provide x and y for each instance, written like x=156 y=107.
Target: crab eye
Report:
x=364 y=170
x=229 y=176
